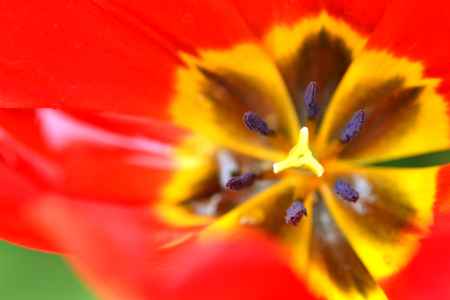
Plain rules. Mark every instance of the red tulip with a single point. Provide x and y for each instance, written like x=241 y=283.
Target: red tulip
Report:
x=156 y=145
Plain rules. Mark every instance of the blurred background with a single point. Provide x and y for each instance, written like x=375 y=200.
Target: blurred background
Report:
x=30 y=275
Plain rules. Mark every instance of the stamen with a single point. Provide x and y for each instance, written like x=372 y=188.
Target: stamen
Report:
x=295 y=213
x=240 y=182
x=346 y=191
x=353 y=127
x=300 y=156
x=310 y=99
x=256 y=123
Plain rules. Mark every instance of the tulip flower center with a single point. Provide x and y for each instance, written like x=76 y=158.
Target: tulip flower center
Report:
x=285 y=133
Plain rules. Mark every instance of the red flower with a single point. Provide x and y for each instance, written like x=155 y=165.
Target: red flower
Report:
x=121 y=125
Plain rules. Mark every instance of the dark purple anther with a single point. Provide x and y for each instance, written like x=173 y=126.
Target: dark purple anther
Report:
x=310 y=99
x=346 y=191
x=294 y=213
x=256 y=123
x=353 y=127
x=240 y=182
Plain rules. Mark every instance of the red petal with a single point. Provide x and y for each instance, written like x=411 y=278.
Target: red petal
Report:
x=426 y=276
x=245 y=268
x=106 y=158
x=418 y=30
x=443 y=190
x=262 y=15
x=16 y=195
x=119 y=260
x=78 y=55
x=187 y=24
x=68 y=154
x=362 y=15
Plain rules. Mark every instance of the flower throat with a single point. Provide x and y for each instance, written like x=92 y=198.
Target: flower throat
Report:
x=300 y=156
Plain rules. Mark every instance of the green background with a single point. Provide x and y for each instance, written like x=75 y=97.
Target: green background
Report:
x=30 y=275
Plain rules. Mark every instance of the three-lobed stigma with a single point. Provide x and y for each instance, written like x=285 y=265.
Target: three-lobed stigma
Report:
x=300 y=156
